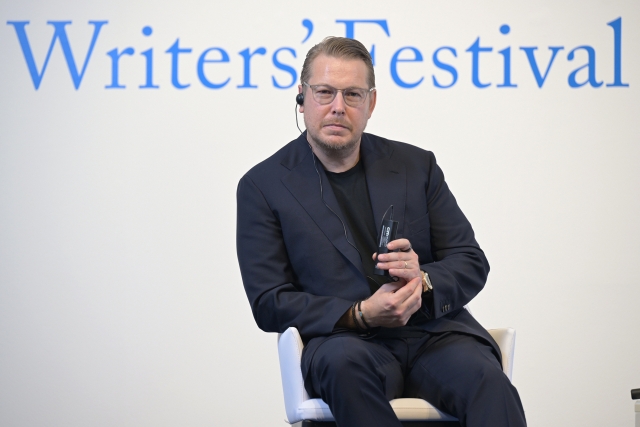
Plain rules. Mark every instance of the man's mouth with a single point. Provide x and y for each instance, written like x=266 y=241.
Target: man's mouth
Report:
x=335 y=125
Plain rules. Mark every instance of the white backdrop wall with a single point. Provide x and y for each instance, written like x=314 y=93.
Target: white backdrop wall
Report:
x=120 y=297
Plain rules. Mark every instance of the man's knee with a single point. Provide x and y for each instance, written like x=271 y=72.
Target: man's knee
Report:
x=456 y=367
x=494 y=398
x=341 y=357
x=491 y=378
x=345 y=361
x=479 y=372
x=465 y=379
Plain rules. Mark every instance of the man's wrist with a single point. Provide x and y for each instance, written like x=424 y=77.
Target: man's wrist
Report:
x=362 y=308
x=361 y=316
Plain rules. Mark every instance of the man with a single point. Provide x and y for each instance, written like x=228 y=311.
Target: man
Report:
x=308 y=220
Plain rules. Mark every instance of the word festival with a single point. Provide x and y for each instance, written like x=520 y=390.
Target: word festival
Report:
x=446 y=60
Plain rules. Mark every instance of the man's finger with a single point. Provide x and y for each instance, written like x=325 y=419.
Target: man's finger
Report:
x=418 y=294
x=406 y=291
x=405 y=274
x=401 y=244
x=398 y=256
x=390 y=287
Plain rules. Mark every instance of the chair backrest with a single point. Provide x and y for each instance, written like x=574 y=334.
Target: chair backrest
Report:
x=506 y=340
x=290 y=353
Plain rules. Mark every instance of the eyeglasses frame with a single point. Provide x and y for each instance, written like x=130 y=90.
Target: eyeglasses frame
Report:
x=367 y=92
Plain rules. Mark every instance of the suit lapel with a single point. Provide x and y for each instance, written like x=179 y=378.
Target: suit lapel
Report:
x=304 y=184
x=386 y=181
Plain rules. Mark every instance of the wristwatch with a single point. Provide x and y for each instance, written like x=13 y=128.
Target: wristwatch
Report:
x=426 y=282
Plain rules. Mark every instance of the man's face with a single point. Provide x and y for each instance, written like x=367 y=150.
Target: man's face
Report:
x=336 y=127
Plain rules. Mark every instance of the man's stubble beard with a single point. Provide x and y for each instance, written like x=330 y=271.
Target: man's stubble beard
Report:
x=334 y=151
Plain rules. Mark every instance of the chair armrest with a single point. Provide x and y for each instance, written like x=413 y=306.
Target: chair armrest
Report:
x=506 y=340
x=290 y=352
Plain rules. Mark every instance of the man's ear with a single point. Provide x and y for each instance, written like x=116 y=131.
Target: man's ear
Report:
x=372 y=103
x=301 y=109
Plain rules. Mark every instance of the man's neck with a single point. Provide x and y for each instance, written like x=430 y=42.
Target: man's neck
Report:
x=337 y=161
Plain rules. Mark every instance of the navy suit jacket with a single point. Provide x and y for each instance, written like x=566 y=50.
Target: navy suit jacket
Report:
x=299 y=270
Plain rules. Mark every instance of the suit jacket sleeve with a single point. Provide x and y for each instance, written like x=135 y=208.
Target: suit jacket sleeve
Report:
x=276 y=298
x=456 y=265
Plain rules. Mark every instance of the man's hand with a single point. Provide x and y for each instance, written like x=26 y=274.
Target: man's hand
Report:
x=403 y=264
x=393 y=304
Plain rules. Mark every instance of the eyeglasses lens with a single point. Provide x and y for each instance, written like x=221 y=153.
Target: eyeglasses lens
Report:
x=326 y=94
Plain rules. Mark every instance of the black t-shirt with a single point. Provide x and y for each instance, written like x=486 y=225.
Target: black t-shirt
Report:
x=352 y=193
x=350 y=189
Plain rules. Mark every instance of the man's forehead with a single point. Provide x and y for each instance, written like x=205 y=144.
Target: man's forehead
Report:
x=351 y=71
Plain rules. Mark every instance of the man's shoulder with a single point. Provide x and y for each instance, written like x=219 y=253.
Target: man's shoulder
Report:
x=394 y=148
x=280 y=162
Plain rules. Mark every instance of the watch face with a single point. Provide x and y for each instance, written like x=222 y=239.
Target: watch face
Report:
x=426 y=284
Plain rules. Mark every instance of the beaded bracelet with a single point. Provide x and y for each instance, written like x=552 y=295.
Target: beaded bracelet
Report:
x=355 y=319
x=362 y=315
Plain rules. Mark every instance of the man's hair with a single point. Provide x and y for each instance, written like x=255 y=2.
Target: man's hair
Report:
x=339 y=47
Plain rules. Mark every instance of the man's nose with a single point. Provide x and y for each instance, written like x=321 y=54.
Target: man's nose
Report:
x=338 y=105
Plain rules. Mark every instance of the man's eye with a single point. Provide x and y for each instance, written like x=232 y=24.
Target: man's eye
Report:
x=354 y=94
x=324 y=92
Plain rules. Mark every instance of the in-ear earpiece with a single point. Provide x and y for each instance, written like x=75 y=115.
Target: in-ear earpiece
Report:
x=300 y=99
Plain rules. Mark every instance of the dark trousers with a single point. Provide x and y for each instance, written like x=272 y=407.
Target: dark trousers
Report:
x=456 y=373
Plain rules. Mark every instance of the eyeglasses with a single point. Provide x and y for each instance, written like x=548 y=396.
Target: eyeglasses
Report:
x=325 y=94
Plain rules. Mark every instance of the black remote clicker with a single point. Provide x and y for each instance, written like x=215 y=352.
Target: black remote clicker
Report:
x=387 y=234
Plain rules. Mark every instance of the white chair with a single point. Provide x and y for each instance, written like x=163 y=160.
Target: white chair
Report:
x=635 y=395
x=305 y=412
